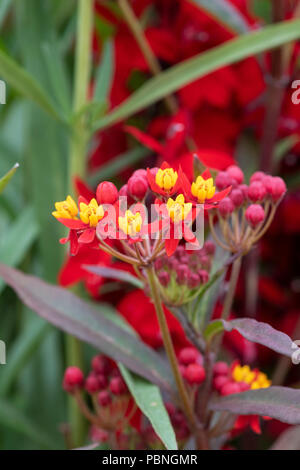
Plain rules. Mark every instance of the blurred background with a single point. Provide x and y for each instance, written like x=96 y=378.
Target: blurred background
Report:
x=225 y=113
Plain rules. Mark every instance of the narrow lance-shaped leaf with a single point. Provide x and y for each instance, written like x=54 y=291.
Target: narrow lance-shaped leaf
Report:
x=263 y=334
x=117 y=274
x=79 y=318
x=148 y=399
x=226 y=13
x=202 y=64
x=6 y=178
x=21 y=81
x=104 y=74
x=281 y=403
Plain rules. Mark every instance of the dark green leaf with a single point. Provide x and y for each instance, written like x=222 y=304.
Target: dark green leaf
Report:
x=116 y=274
x=148 y=399
x=226 y=13
x=79 y=318
x=186 y=72
x=281 y=403
x=6 y=178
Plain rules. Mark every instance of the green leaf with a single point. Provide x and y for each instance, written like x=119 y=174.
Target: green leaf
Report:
x=281 y=403
x=226 y=13
x=148 y=399
x=22 y=82
x=104 y=74
x=119 y=163
x=186 y=72
x=20 y=352
x=14 y=419
x=213 y=329
x=18 y=238
x=6 y=178
x=79 y=318
x=117 y=274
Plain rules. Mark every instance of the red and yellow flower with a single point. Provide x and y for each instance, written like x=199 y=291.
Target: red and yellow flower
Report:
x=203 y=190
x=165 y=182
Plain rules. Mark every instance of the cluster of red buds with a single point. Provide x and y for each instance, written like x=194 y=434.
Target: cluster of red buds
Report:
x=191 y=366
x=182 y=275
x=247 y=212
x=103 y=398
x=228 y=380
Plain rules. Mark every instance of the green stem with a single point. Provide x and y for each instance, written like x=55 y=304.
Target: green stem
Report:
x=77 y=163
x=184 y=397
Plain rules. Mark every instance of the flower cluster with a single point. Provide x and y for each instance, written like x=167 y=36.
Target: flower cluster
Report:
x=247 y=212
x=183 y=274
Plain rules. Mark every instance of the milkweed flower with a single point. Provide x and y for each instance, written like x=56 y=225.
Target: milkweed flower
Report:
x=203 y=190
x=165 y=182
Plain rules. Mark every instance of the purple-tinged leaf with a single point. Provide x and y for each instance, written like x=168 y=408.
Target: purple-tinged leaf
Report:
x=263 y=334
x=81 y=319
x=288 y=440
x=281 y=403
x=117 y=274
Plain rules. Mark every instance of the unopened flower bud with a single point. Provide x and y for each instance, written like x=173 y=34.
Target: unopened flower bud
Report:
x=188 y=356
x=235 y=173
x=237 y=197
x=107 y=193
x=226 y=207
x=195 y=374
x=104 y=399
x=117 y=386
x=138 y=187
x=244 y=188
x=221 y=368
x=159 y=264
x=210 y=247
x=182 y=274
x=164 y=278
x=193 y=280
x=223 y=180
x=73 y=379
x=277 y=188
x=229 y=388
x=203 y=275
x=101 y=365
x=257 y=191
x=255 y=214
x=141 y=173
x=219 y=381
x=257 y=176
x=94 y=383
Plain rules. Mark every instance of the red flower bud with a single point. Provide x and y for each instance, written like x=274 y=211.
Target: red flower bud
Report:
x=182 y=274
x=223 y=180
x=124 y=191
x=73 y=379
x=226 y=207
x=194 y=374
x=138 y=187
x=277 y=188
x=93 y=384
x=210 y=247
x=141 y=173
x=104 y=398
x=230 y=388
x=193 y=280
x=117 y=386
x=257 y=191
x=257 y=176
x=188 y=356
x=237 y=197
x=244 y=188
x=107 y=193
x=164 y=278
x=219 y=381
x=221 y=368
x=244 y=386
x=235 y=173
x=101 y=365
x=255 y=214
x=204 y=276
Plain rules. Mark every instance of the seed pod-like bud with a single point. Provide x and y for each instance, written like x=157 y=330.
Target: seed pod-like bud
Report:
x=195 y=374
x=257 y=191
x=164 y=278
x=107 y=193
x=255 y=214
x=138 y=187
x=226 y=207
x=236 y=174
x=237 y=197
x=73 y=379
x=188 y=356
x=104 y=399
x=223 y=180
x=117 y=386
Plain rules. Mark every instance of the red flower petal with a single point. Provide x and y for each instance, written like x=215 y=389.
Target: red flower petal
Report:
x=72 y=224
x=171 y=245
x=87 y=236
x=145 y=139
